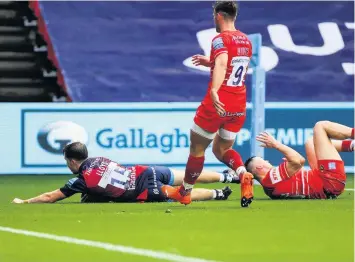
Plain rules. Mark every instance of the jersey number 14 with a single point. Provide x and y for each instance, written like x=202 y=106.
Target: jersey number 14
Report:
x=114 y=175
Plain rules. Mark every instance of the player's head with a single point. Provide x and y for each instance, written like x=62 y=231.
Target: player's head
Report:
x=224 y=12
x=257 y=166
x=75 y=153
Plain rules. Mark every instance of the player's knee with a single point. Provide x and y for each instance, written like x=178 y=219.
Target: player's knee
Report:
x=320 y=125
x=302 y=161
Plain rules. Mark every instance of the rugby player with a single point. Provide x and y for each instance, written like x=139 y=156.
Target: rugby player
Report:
x=223 y=109
x=102 y=180
x=327 y=177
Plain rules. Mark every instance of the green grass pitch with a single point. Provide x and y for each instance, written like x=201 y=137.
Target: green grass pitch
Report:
x=275 y=231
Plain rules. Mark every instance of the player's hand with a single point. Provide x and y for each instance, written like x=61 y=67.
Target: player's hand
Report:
x=266 y=140
x=201 y=60
x=18 y=201
x=217 y=104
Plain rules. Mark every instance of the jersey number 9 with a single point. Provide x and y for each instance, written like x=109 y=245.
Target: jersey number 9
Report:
x=240 y=68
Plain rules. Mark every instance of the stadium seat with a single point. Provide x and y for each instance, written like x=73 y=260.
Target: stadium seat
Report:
x=134 y=51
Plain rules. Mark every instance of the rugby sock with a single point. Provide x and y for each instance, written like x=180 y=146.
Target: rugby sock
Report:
x=227 y=176
x=214 y=192
x=193 y=170
x=218 y=194
x=234 y=161
x=222 y=178
x=347 y=146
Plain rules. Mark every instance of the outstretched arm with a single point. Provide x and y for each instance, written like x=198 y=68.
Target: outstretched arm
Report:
x=49 y=197
x=295 y=161
x=73 y=186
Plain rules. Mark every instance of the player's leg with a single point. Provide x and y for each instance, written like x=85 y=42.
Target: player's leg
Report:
x=202 y=194
x=205 y=177
x=149 y=186
x=311 y=154
x=224 y=141
x=206 y=124
x=199 y=143
x=223 y=150
x=324 y=131
x=199 y=194
x=340 y=146
x=345 y=145
x=330 y=164
x=174 y=177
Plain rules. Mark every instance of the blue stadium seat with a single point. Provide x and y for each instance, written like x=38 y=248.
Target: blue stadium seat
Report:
x=138 y=51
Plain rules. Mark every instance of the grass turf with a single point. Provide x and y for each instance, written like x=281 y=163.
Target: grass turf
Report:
x=277 y=231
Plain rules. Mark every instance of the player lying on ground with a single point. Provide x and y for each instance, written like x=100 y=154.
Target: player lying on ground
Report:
x=223 y=109
x=102 y=180
x=327 y=177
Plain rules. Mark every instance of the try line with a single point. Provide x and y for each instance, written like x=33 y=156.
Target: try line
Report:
x=106 y=246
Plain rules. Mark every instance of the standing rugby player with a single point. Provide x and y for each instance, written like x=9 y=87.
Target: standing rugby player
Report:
x=223 y=110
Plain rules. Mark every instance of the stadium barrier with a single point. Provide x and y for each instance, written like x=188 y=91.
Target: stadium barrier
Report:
x=32 y=135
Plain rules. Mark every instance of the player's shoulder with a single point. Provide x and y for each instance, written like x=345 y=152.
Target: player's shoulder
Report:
x=78 y=181
x=104 y=160
x=218 y=42
x=223 y=36
x=220 y=35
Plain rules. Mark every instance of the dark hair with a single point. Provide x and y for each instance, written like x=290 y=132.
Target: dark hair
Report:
x=246 y=164
x=76 y=150
x=229 y=9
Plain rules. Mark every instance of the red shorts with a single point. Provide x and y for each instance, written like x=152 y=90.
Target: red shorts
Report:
x=207 y=118
x=333 y=175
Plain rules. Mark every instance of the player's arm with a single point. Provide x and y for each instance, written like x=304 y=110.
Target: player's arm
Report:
x=73 y=186
x=295 y=161
x=49 y=197
x=219 y=73
x=219 y=56
x=198 y=60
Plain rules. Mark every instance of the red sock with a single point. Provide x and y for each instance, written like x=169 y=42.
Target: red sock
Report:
x=193 y=169
x=346 y=146
x=352 y=133
x=232 y=159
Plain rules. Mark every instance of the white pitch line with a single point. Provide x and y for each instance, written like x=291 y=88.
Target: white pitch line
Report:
x=107 y=246
x=350 y=189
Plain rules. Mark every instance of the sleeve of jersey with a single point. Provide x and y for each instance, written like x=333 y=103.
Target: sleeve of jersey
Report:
x=283 y=170
x=278 y=174
x=73 y=186
x=218 y=47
